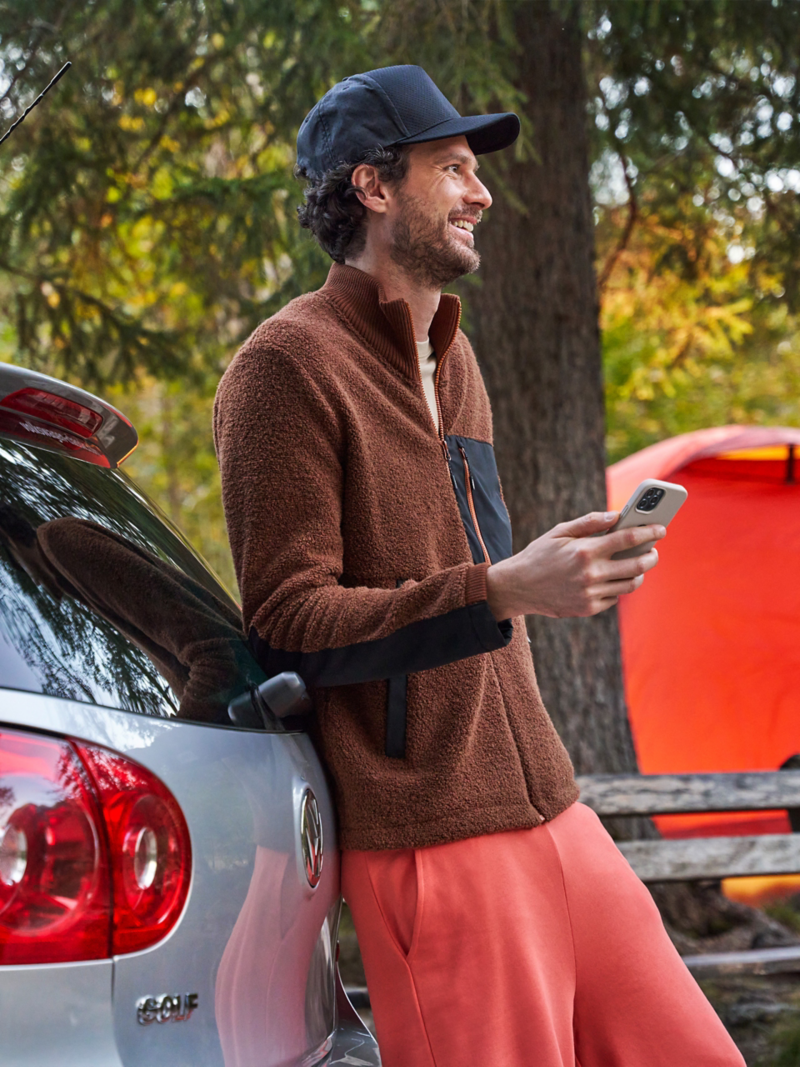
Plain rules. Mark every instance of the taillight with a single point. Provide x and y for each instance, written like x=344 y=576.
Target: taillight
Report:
x=95 y=857
x=150 y=848
x=69 y=414
x=54 y=886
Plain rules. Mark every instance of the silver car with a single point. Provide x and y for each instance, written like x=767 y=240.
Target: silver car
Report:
x=169 y=881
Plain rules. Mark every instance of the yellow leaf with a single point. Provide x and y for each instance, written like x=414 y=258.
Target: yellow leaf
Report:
x=131 y=122
x=146 y=96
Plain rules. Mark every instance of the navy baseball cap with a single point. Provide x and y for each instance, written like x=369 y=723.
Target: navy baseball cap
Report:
x=390 y=106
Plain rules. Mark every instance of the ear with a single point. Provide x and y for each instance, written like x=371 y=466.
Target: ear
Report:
x=370 y=190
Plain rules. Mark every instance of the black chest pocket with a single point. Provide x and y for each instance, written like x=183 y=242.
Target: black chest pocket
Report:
x=477 y=489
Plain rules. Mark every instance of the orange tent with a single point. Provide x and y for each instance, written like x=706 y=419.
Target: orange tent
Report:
x=711 y=642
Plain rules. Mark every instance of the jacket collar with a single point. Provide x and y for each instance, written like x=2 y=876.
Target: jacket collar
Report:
x=386 y=325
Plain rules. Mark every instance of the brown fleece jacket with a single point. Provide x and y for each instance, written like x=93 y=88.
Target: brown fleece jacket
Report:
x=361 y=539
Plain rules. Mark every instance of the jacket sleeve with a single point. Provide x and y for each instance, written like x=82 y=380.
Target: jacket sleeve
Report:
x=281 y=444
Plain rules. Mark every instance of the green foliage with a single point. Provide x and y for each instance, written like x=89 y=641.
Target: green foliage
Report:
x=175 y=461
x=696 y=135
x=147 y=208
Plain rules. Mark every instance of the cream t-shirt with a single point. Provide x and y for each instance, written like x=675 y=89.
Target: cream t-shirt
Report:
x=427 y=369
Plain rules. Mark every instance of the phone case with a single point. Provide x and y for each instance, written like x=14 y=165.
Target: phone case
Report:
x=663 y=512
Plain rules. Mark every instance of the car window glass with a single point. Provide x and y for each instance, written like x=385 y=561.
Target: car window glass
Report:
x=102 y=602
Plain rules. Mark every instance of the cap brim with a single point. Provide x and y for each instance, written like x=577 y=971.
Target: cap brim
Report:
x=484 y=133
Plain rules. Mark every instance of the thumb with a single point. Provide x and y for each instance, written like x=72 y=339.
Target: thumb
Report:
x=593 y=523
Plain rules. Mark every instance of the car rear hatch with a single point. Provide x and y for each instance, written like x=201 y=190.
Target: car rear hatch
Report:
x=116 y=639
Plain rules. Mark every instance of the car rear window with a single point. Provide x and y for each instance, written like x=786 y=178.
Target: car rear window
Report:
x=101 y=601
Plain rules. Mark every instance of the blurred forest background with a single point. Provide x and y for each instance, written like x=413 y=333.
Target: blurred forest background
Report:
x=147 y=206
x=649 y=216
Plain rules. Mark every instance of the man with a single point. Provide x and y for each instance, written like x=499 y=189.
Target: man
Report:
x=499 y=924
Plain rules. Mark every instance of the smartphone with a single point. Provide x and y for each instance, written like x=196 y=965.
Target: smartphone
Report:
x=653 y=502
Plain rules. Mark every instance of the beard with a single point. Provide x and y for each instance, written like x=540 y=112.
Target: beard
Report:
x=423 y=246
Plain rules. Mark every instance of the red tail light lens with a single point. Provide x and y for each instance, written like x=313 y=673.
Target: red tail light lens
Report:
x=81 y=827
x=54 y=886
x=60 y=411
x=150 y=848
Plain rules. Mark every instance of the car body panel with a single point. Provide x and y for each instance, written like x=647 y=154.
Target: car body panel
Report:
x=251 y=923
x=61 y=1015
x=114 y=633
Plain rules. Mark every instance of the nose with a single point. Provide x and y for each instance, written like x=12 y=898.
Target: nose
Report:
x=478 y=194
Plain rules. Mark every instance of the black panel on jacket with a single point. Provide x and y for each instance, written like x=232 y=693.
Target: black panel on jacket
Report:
x=420 y=646
x=493 y=519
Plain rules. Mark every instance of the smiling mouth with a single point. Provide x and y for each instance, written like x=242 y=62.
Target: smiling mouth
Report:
x=462 y=224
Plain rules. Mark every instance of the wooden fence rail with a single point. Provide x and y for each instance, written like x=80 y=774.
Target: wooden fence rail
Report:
x=696 y=858
x=671 y=794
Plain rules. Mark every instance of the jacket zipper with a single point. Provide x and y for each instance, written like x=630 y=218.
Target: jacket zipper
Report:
x=471 y=502
x=440 y=421
x=446 y=451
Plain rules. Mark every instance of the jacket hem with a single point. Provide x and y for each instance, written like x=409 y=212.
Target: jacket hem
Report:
x=455 y=827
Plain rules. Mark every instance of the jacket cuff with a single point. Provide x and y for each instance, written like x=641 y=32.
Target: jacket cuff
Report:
x=475 y=590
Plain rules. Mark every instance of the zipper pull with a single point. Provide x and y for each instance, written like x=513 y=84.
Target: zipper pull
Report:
x=467 y=468
x=446 y=453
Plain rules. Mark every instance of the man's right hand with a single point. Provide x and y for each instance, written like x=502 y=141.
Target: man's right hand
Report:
x=568 y=572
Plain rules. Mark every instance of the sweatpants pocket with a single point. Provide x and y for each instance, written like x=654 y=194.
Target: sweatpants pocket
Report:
x=395 y=883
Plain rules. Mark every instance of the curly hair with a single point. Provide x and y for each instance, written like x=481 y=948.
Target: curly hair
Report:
x=332 y=209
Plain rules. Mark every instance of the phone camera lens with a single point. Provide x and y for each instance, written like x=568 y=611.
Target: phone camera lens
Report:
x=650 y=499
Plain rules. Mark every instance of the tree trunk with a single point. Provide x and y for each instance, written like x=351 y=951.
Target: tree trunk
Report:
x=534 y=322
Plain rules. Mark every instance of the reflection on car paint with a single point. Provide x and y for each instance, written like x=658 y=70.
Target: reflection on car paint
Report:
x=263 y=1000
x=275 y=985
x=352 y=1060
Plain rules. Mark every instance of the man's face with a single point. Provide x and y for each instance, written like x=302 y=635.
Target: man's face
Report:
x=434 y=211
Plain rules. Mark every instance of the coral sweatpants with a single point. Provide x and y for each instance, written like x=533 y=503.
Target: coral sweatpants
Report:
x=532 y=948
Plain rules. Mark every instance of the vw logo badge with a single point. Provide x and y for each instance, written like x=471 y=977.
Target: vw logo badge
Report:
x=311 y=838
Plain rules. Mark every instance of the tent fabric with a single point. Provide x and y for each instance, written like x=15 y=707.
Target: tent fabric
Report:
x=711 y=641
